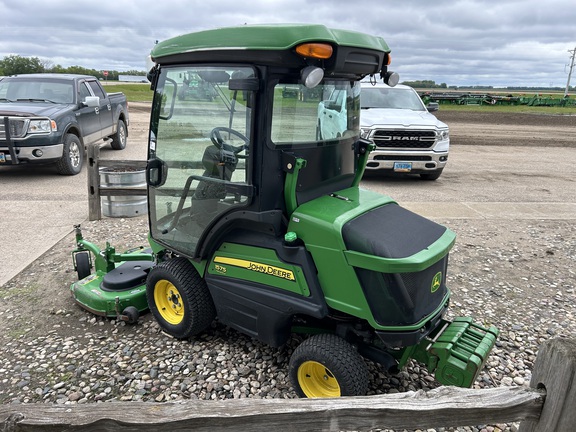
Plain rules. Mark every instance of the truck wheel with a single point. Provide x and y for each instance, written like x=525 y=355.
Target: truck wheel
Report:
x=119 y=138
x=179 y=299
x=325 y=365
x=433 y=175
x=72 y=156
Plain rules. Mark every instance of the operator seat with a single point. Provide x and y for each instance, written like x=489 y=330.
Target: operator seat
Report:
x=219 y=163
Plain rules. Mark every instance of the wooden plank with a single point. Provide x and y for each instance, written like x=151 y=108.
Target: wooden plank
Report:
x=122 y=191
x=94 y=208
x=445 y=406
x=555 y=370
x=129 y=164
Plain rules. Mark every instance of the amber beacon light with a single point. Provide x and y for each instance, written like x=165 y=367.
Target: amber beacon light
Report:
x=315 y=50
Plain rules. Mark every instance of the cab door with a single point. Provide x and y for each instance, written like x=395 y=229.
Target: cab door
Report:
x=88 y=117
x=106 y=115
x=199 y=155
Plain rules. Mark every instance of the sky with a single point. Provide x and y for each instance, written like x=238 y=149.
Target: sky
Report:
x=496 y=43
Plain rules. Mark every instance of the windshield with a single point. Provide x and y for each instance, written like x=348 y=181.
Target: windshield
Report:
x=304 y=116
x=36 y=91
x=391 y=97
x=199 y=144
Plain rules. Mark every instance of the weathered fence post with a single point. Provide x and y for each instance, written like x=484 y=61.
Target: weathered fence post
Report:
x=94 y=209
x=555 y=371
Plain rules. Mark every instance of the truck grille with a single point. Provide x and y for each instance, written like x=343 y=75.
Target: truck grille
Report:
x=17 y=127
x=414 y=158
x=406 y=139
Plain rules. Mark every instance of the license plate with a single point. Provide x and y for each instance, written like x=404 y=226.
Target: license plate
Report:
x=2 y=158
x=402 y=166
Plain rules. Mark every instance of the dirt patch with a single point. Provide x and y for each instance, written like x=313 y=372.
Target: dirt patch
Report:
x=510 y=129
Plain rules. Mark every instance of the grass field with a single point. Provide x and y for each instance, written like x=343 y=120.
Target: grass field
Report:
x=135 y=92
x=140 y=92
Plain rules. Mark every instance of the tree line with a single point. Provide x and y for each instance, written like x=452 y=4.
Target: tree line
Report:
x=15 y=65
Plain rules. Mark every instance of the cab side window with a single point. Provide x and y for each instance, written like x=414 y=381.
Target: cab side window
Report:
x=96 y=89
x=83 y=92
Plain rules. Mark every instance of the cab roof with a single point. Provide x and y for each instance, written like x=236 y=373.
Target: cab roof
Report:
x=354 y=52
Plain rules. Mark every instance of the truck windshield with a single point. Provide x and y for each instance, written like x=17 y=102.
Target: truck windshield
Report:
x=200 y=142
x=303 y=116
x=36 y=90
x=389 y=97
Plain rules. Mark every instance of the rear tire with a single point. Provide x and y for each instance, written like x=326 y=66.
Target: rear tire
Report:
x=325 y=365
x=179 y=298
x=72 y=156
x=120 y=137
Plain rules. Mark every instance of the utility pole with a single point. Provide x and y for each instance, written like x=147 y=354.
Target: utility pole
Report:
x=570 y=72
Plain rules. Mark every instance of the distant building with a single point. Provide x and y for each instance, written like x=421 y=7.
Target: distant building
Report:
x=132 y=78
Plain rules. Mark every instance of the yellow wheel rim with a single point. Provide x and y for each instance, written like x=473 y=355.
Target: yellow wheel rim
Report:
x=316 y=380
x=168 y=302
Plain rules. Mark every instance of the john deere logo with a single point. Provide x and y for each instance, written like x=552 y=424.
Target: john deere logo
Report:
x=436 y=282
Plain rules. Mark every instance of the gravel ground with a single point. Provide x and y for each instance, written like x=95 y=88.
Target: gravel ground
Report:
x=518 y=275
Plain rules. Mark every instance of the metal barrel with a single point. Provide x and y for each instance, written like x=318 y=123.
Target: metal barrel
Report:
x=123 y=205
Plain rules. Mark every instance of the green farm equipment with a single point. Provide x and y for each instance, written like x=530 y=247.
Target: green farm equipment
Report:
x=259 y=222
x=117 y=287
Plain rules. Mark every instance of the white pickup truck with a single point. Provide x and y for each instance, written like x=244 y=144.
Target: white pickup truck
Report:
x=408 y=138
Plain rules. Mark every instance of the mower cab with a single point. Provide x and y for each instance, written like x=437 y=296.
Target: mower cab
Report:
x=257 y=218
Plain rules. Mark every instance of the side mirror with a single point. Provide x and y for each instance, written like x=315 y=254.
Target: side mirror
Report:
x=433 y=106
x=92 y=101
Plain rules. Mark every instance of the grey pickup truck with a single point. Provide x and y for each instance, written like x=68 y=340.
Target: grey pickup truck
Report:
x=50 y=118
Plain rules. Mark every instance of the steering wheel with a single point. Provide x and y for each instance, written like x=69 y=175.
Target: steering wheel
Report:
x=218 y=141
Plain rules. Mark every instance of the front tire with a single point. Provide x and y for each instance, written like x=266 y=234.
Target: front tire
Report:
x=325 y=365
x=72 y=156
x=120 y=137
x=179 y=298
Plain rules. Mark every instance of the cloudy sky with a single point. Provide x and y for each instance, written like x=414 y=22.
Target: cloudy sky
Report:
x=457 y=42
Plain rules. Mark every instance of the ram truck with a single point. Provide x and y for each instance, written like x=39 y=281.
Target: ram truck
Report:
x=408 y=138
x=51 y=118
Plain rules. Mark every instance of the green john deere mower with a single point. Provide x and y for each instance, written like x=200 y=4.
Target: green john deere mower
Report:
x=257 y=218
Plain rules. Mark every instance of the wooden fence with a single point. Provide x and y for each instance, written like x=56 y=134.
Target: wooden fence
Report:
x=95 y=191
x=548 y=405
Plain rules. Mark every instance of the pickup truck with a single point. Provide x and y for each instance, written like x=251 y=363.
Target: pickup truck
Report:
x=408 y=138
x=51 y=118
